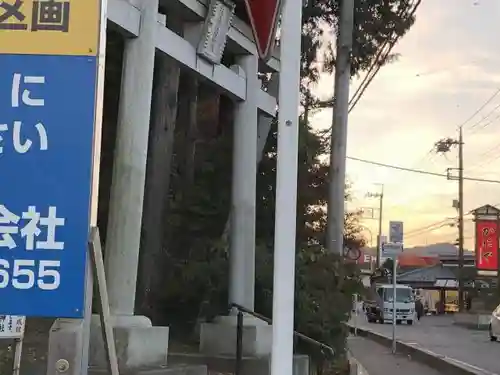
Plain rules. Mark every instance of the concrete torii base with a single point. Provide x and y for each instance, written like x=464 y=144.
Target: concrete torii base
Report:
x=138 y=343
x=219 y=337
x=218 y=347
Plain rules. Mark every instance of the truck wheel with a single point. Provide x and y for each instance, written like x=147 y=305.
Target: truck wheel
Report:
x=398 y=321
x=409 y=322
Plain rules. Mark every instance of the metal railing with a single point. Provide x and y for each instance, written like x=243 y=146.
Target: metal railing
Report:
x=325 y=349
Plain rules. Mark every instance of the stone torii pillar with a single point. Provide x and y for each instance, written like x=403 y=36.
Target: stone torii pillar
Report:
x=219 y=338
x=138 y=343
x=243 y=199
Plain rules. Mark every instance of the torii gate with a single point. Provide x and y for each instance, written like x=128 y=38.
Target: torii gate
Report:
x=145 y=31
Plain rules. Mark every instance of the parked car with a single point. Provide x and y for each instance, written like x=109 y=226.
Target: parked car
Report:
x=494 y=328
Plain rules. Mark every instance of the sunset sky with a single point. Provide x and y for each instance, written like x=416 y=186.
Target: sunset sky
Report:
x=448 y=68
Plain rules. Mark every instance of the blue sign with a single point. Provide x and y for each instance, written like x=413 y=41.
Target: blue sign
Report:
x=47 y=106
x=396 y=231
x=391 y=250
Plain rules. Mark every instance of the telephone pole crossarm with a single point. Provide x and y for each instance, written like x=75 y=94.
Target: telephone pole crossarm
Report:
x=380 y=217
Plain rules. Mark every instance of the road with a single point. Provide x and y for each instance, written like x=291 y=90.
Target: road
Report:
x=438 y=334
x=378 y=359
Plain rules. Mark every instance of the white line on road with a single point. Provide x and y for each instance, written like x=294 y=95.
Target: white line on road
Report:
x=477 y=369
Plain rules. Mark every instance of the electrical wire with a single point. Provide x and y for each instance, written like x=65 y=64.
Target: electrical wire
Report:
x=430 y=226
x=486 y=158
x=488 y=101
x=428 y=173
x=477 y=123
x=376 y=64
x=439 y=224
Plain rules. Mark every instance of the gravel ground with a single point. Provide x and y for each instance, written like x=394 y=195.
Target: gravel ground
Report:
x=378 y=359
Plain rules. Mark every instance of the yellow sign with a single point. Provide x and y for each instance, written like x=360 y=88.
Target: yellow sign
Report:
x=50 y=27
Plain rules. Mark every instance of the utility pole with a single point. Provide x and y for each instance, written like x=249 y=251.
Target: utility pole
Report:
x=380 y=216
x=338 y=144
x=461 y=221
x=444 y=146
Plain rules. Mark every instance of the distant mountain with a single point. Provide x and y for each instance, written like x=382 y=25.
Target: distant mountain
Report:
x=439 y=249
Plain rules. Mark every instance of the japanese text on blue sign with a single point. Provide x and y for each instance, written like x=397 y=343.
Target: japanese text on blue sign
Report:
x=35 y=227
x=46 y=138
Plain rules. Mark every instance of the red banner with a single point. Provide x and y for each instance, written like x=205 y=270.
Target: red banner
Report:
x=487 y=245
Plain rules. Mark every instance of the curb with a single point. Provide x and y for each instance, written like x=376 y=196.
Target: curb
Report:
x=472 y=326
x=441 y=363
x=356 y=368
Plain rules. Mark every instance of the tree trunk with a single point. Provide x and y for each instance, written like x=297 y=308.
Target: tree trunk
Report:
x=161 y=142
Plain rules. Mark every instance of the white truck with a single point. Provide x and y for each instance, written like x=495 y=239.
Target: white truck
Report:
x=379 y=307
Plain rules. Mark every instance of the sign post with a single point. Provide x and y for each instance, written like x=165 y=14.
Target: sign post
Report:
x=356 y=313
x=286 y=188
x=487 y=224
x=392 y=250
x=12 y=328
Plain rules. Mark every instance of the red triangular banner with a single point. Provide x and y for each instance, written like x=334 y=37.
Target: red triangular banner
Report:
x=263 y=16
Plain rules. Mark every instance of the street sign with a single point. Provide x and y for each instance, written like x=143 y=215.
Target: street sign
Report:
x=391 y=250
x=48 y=55
x=12 y=327
x=486 y=245
x=396 y=231
x=263 y=15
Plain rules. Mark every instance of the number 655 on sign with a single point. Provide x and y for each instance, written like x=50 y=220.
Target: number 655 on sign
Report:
x=30 y=273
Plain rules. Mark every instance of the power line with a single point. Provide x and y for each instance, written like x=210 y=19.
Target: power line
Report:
x=428 y=173
x=484 y=118
x=426 y=228
x=480 y=108
x=390 y=45
x=376 y=64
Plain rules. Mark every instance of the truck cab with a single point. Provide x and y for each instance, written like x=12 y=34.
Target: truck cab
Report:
x=381 y=310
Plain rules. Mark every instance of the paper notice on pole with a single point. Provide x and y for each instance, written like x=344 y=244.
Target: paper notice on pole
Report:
x=12 y=326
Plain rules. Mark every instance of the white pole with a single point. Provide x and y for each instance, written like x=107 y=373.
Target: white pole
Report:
x=355 y=314
x=286 y=188
x=380 y=217
x=338 y=152
x=394 y=268
x=18 y=350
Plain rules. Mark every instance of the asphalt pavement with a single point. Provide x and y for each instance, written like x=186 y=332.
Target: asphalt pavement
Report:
x=438 y=335
x=378 y=359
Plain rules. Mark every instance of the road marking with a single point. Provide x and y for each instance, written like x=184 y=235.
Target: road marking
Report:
x=458 y=362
